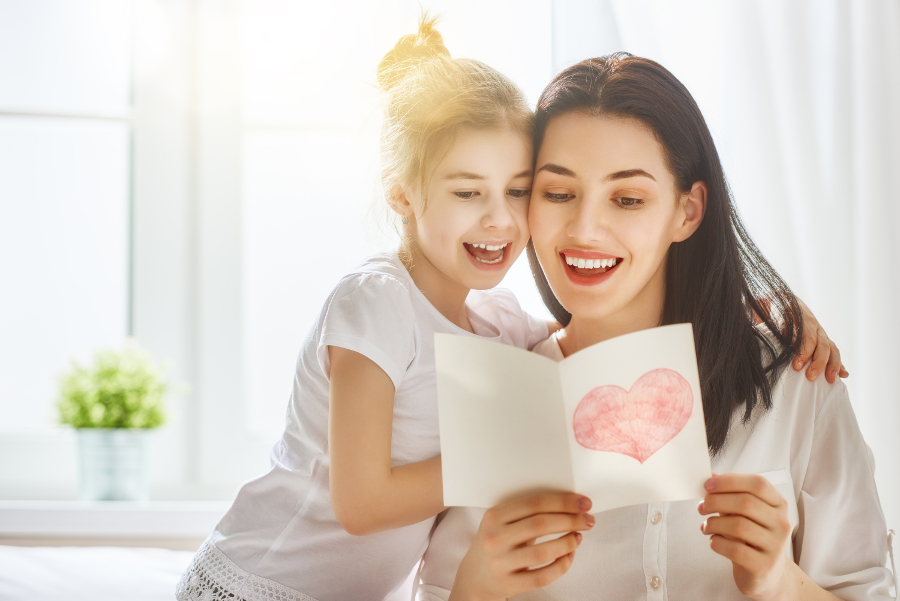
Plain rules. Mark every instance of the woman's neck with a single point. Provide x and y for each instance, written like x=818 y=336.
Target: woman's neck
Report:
x=447 y=296
x=641 y=313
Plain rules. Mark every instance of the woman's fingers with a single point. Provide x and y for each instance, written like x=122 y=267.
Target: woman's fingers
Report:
x=542 y=554
x=545 y=524
x=744 y=483
x=528 y=580
x=741 y=529
x=513 y=511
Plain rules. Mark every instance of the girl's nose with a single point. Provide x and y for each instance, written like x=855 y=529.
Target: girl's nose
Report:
x=498 y=213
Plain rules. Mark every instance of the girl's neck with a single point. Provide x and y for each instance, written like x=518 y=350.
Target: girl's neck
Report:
x=446 y=295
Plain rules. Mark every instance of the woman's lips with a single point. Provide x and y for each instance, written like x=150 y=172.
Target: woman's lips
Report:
x=589 y=276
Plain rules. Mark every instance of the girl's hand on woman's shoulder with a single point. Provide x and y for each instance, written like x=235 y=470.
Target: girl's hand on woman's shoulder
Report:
x=817 y=351
x=504 y=557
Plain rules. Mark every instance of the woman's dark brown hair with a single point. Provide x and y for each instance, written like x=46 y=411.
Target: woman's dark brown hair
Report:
x=714 y=279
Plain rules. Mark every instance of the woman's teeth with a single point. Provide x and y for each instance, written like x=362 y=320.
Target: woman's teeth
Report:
x=590 y=263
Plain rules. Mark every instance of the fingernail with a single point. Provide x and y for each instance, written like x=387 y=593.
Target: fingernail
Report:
x=590 y=520
x=700 y=507
x=584 y=503
x=703 y=527
x=578 y=537
x=710 y=484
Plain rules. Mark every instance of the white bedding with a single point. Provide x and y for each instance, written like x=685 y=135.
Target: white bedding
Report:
x=94 y=573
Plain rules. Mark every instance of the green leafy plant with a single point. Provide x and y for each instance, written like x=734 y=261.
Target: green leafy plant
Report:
x=122 y=389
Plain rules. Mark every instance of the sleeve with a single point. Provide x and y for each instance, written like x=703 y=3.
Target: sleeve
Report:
x=449 y=544
x=373 y=315
x=842 y=543
x=501 y=307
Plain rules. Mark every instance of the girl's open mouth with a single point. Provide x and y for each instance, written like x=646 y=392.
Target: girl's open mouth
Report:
x=486 y=254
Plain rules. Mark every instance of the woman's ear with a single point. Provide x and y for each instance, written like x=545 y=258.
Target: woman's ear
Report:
x=693 y=207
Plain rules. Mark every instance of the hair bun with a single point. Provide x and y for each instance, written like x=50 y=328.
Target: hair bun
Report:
x=411 y=51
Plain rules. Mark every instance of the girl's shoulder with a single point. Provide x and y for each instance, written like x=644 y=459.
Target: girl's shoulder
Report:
x=379 y=280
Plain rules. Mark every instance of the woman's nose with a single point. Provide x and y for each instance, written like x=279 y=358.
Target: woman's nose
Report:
x=587 y=222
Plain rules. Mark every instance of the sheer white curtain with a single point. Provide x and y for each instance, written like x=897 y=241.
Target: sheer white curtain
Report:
x=802 y=98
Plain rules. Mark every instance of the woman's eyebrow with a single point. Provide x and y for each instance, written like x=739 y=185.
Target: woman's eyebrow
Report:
x=557 y=169
x=626 y=174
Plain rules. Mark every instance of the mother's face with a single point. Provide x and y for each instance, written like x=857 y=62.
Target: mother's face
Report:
x=604 y=210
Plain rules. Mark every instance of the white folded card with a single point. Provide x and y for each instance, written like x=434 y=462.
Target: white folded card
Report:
x=620 y=421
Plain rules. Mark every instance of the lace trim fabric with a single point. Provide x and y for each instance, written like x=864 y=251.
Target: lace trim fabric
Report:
x=213 y=577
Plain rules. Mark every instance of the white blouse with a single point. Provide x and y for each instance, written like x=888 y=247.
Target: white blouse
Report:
x=809 y=446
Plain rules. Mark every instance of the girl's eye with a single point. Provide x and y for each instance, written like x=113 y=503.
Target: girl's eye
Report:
x=558 y=197
x=519 y=192
x=466 y=194
x=628 y=203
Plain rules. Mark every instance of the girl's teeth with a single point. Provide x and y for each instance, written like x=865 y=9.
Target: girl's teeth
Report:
x=490 y=246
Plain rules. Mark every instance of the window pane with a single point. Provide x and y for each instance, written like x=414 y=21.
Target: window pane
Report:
x=314 y=63
x=306 y=222
x=63 y=255
x=65 y=56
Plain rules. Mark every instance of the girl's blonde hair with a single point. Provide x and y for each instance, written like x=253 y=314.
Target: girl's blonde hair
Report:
x=429 y=96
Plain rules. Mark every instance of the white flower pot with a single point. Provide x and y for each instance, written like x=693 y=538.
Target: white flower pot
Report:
x=114 y=464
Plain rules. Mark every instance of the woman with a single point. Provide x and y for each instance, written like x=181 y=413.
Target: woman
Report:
x=626 y=170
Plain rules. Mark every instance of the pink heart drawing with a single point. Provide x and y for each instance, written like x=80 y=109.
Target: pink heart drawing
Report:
x=638 y=422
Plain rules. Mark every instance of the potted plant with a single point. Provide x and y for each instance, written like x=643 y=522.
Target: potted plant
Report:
x=113 y=404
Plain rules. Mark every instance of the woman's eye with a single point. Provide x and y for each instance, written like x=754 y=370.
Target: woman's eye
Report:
x=519 y=192
x=628 y=203
x=466 y=194
x=558 y=196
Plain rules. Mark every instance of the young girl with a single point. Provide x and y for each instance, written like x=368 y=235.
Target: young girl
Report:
x=347 y=507
x=360 y=451
x=627 y=173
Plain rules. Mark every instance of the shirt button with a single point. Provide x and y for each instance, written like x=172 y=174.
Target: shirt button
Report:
x=656 y=517
x=655 y=582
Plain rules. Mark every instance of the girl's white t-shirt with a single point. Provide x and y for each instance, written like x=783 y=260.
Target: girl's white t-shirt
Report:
x=280 y=534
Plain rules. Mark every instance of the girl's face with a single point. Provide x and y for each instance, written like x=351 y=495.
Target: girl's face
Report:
x=605 y=210
x=475 y=222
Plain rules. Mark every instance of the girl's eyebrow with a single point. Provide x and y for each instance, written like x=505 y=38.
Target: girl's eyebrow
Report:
x=464 y=175
x=470 y=175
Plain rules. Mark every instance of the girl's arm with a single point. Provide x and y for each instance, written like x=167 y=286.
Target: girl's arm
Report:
x=752 y=530
x=497 y=564
x=367 y=494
